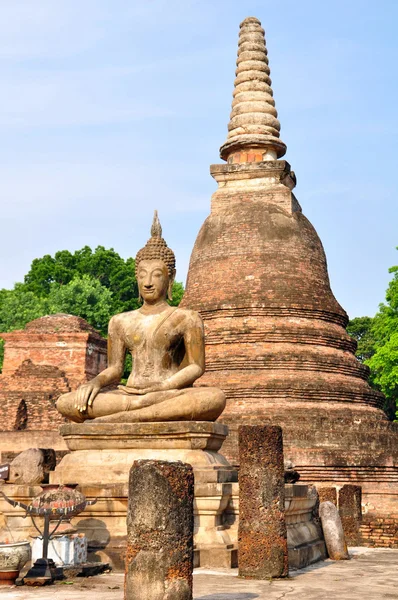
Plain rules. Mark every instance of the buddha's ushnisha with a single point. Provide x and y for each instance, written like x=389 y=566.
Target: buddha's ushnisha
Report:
x=167 y=348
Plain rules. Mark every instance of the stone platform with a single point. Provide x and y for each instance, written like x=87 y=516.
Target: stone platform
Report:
x=103 y=474
x=100 y=460
x=108 y=450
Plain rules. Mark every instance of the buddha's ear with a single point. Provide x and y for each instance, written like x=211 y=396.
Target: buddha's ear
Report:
x=170 y=288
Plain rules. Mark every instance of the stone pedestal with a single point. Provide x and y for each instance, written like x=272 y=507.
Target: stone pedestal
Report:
x=105 y=522
x=305 y=541
x=100 y=460
x=104 y=452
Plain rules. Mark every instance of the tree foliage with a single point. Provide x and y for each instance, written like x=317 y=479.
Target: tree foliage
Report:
x=18 y=307
x=377 y=339
x=360 y=329
x=106 y=266
x=384 y=361
x=85 y=297
x=178 y=292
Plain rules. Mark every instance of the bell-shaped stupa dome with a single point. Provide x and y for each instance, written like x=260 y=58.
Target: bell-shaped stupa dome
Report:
x=275 y=334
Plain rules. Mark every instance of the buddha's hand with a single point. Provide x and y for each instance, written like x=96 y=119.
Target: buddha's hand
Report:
x=85 y=395
x=140 y=391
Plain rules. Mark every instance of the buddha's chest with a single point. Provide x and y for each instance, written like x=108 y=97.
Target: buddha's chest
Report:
x=152 y=334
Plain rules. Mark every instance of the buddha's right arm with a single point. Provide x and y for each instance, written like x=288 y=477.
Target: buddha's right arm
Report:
x=87 y=392
x=116 y=356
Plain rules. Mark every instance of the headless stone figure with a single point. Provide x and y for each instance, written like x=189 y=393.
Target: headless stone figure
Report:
x=167 y=348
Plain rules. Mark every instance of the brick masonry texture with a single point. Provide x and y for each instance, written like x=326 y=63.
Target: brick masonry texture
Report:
x=51 y=356
x=379 y=531
x=262 y=534
x=275 y=336
x=362 y=529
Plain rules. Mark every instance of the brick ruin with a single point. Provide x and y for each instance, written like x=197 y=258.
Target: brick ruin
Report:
x=275 y=335
x=49 y=357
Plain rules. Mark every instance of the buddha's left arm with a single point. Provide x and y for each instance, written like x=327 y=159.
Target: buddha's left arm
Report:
x=194 y=361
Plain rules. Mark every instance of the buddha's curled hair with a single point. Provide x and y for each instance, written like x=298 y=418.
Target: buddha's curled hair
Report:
x=157 y=249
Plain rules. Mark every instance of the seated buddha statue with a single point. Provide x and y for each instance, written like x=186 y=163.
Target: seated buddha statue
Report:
x=167 y=348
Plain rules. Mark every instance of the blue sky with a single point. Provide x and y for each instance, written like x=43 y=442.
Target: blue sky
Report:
x=111 y=109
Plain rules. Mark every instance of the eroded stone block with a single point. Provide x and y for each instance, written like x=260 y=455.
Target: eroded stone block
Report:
x=333 y=531
x=262 y=527
x=350 y=509
x=159 y=558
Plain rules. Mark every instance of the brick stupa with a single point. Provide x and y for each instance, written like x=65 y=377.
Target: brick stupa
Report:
x=275 y=335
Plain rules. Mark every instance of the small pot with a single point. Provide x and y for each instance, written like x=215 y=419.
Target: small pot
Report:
x=13 y=558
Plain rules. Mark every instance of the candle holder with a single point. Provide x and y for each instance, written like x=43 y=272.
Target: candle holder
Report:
x=57 y=504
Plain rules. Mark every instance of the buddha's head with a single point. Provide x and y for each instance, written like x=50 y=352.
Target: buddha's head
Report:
x=155 y=267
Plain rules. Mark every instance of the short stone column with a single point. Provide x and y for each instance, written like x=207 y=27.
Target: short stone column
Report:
x=159 y=557
x=333 y=531
x=350 y=509
x=262 y=533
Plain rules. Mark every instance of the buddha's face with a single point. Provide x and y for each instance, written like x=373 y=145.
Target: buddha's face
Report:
x=153 y=280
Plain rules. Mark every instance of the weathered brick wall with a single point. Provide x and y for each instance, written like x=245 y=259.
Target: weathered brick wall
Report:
x=40 y=407
x=378 y=531
x=62 y=341
x=51 y=356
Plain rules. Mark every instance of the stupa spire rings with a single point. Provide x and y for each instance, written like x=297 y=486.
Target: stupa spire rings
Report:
x=253 y=129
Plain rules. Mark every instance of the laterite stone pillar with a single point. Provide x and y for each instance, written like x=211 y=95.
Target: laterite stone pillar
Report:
x=159 y=557
x=327 y=494
x=350 y=509
x=262 y=527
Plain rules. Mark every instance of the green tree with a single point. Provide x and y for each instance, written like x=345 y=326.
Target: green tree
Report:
x=384 y=361
x=84 y=297
x=178 y=292
x=19 y=306
x=360 y=329
x=105 y=265
x=384 y=369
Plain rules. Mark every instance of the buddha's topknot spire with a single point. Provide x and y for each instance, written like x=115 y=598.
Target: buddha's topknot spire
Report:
x=156 y=229
x=157 y=249
x=253 y=127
